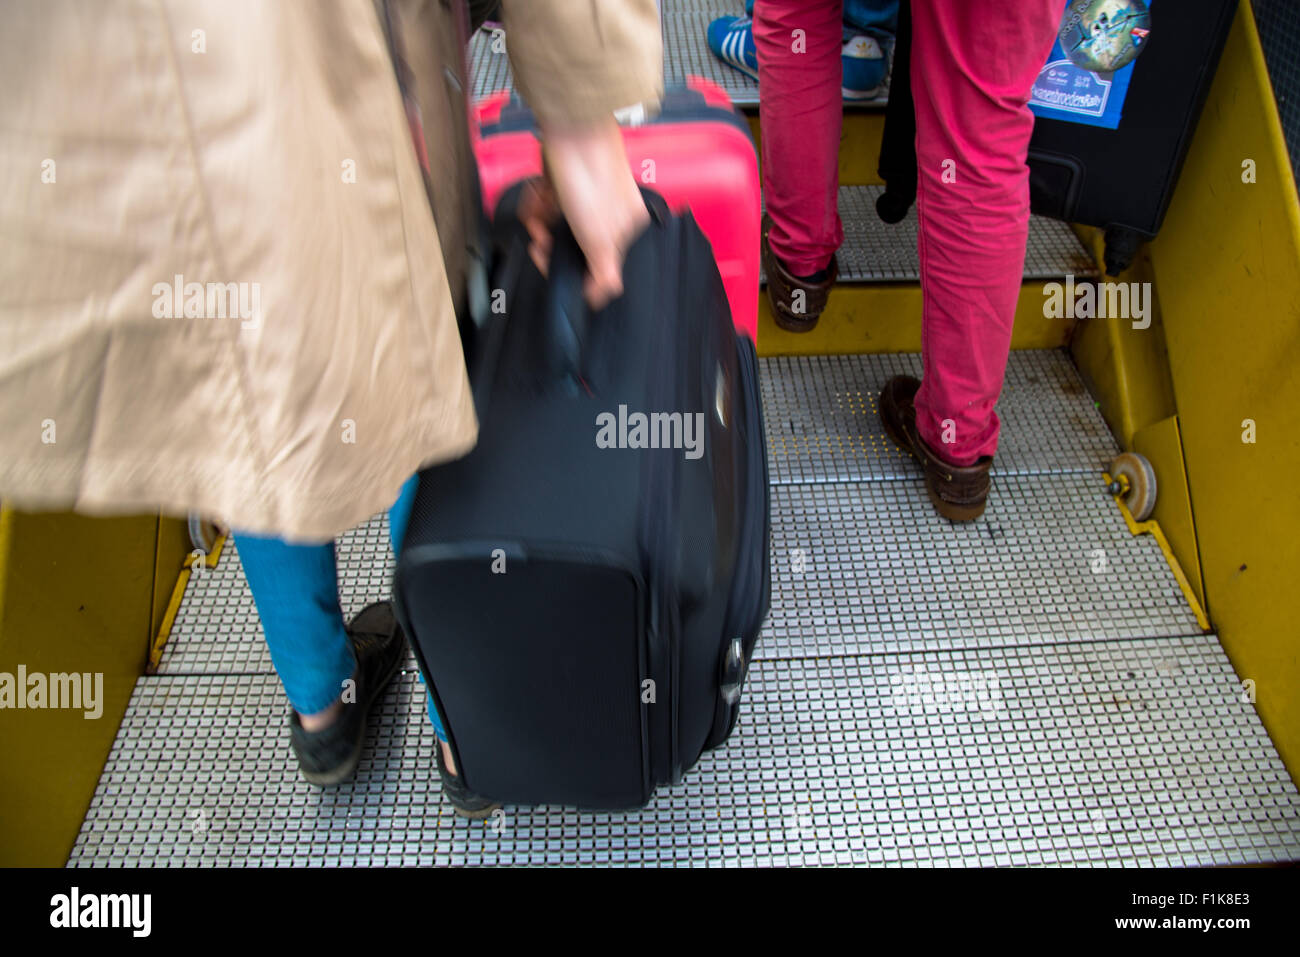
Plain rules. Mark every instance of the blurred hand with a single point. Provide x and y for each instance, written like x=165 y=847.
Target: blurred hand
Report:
x=589 y=180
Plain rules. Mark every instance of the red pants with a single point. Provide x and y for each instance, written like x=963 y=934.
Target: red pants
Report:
x=973 y=64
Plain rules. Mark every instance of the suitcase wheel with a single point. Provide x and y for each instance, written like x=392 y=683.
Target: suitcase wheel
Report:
x=203 y=533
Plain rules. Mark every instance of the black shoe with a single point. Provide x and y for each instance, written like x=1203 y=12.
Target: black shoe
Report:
x=465 y=802
x=330 y=756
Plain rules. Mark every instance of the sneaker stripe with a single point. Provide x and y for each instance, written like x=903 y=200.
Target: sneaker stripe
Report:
x=732 y=47
x=733 y=50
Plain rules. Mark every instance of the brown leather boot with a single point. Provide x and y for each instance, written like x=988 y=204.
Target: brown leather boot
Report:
x=958 y=492
x=796 y=303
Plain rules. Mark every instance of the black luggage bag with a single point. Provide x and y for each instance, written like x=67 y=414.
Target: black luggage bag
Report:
x=1120 y=180
x=584 y=589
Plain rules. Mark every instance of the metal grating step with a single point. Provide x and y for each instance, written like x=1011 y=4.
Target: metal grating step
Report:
x=856 y=568
x=823 y=424
x=925 y=694
x=217 y=630
x=1117 y=753
x=822 y=427
x=871 y=567
x=875 y=251
x=686 y=53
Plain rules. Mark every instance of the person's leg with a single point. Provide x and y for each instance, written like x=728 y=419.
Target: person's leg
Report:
x=332 y=673
x=399 y=516
x=295 y=588
x=800 y=110
x=973 y=65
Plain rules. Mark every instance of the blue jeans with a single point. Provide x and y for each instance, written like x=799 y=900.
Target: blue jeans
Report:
x=296 y=591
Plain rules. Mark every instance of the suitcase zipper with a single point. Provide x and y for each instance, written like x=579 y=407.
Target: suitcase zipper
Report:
x=657 y=521
x=751 y=584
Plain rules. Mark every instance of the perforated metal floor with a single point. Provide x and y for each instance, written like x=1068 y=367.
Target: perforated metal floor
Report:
x=924 y=694
x=1112 y=753
x=823 y=424
x=857 y=568
x=1279 y=36
x=686 y=53
x=875 y=251
x=823 y=428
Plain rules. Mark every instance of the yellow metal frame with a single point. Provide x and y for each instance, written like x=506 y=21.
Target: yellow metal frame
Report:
x=64 y=608
x=173 y=605
x=1161 y=444
x=1223 y=347
x=1227 y=265
x=886 y=317
x=1152 y=528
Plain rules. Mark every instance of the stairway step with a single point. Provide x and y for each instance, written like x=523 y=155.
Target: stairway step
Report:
x=866 y=567
x=1137 y=753
x=823 y=424
x=822 y=427
x=686 y=54
x=857 y=567
x=877 y=252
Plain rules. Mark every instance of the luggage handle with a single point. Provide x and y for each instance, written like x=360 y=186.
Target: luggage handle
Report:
x=567 y=317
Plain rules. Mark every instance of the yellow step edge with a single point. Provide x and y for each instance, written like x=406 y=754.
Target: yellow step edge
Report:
x=178 y=594
x=1152 y=528
x=878 y=318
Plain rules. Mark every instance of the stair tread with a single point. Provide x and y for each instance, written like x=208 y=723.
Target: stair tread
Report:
x=878 y=252
x=686 y=53
x=1135 y=753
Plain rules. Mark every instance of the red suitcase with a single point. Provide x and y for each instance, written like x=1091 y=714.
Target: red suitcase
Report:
x=697 y=153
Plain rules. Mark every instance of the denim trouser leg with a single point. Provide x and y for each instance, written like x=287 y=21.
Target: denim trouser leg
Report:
x=398 y=518
x=295 y=587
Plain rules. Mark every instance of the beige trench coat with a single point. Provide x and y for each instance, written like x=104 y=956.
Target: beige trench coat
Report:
x=222 y=288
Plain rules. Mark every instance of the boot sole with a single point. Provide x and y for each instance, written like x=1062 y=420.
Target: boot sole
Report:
x=481 y=815
x=952 y=511
x=791 y=325
x=338 y=775
x=949 y=510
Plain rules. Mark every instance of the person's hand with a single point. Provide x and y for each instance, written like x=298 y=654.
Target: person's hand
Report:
x=588 y=179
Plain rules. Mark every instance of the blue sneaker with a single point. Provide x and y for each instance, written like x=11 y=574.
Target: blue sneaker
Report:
x=732 y=41
x=865 y=67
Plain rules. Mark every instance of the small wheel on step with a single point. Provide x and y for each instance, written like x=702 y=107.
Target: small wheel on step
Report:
x=203 y=534
x=1134 y=480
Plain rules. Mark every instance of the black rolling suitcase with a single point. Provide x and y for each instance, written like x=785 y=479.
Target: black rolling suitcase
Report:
x=584 y=589
x=1119 y=179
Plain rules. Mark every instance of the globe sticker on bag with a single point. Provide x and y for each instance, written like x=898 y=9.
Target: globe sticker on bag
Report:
x=1087 y=74
x=1104 y=35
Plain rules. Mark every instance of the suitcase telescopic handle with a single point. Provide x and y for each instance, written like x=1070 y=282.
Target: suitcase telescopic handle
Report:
x=567 y=315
